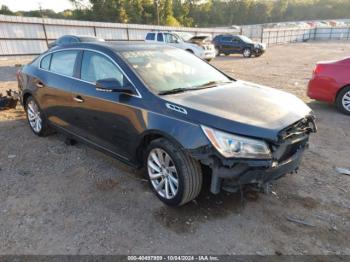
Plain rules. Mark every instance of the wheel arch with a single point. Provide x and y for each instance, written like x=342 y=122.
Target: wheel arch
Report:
x=25 y=97
x=340 y=89
x=146 y=138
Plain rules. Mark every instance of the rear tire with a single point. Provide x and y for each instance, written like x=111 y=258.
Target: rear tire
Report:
x=36 y=118
x=343 y=100
x=217 y=51
x=168 y=165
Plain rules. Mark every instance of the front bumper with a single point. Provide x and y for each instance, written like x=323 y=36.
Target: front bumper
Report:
x=259 y=51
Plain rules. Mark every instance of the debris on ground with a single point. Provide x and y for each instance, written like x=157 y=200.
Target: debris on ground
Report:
x=343 y=170
x=299 y=221
x=9 y=101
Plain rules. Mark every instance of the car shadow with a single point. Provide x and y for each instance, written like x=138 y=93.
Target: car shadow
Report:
x=230 y=57
x=322 y=108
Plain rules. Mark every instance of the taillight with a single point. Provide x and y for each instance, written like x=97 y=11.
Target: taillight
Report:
x=17 y=74
x=317 y=69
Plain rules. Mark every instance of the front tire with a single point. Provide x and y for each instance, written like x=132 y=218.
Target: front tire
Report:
x=343 y=101
x=36 y=119
x=247 y=53
x=174 y=176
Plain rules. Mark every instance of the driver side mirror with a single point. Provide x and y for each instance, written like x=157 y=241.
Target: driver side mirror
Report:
x=113 y=85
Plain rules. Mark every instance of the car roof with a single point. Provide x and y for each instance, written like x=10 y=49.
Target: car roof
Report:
x=121 y=46
x=78 y=36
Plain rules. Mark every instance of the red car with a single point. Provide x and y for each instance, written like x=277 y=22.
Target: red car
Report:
x=331 y=83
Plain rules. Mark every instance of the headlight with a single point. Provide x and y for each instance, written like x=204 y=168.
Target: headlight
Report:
x=230 y=145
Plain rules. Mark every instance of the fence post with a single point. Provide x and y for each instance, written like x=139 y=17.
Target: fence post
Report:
x=330 y=35
x=315 y=33
x=262 y=34
x=310 y=30
x=277 y=36
x=44 y=29
x=94 y=27
x=348 y=33
x=268 y=38
x=127 y=33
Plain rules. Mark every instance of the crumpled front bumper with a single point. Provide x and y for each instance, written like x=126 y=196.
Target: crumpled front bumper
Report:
x=254 y=172
x=233 y=173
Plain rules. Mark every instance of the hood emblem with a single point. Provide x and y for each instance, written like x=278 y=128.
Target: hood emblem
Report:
x=176 y=108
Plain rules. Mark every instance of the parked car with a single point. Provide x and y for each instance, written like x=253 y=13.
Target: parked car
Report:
x=237 y=44
x=161 y=108
x=70 y=39
x=331 y=83
x=205 y=51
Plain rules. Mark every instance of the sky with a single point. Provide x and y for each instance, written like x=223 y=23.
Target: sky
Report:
x=26 y=5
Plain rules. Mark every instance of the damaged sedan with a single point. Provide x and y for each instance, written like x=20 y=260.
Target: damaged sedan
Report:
x=168 y=112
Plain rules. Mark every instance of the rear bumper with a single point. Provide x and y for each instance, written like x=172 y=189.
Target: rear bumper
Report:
x=323 y=89
x=208 y=54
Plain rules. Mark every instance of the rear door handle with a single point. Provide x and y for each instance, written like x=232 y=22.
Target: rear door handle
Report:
x=78 y=99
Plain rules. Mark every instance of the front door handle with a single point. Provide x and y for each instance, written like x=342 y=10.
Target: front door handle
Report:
x=78 y=99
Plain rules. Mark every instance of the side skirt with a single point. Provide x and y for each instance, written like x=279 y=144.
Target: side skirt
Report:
x=95 y=146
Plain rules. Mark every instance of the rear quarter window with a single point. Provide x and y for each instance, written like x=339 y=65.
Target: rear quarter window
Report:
x=150 y=36
x=45 y=62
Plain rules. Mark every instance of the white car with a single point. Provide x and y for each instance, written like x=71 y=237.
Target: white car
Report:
x=206 y=51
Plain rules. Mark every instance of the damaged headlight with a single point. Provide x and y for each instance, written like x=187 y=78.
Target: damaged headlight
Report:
x=230 y=145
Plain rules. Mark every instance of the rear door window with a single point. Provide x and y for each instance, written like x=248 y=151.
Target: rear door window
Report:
x=160 y=37
x=226 y=38
x=150 y=36
x=62 y=62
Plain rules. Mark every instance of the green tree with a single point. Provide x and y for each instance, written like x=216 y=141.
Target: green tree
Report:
x=5 y=10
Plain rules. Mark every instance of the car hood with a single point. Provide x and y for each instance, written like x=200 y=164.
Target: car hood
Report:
x=243 y=108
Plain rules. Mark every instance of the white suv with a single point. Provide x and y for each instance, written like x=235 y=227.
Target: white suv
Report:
x=206 y=51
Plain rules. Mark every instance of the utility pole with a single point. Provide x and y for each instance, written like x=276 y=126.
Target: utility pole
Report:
x=41 y=10
x=157 y=6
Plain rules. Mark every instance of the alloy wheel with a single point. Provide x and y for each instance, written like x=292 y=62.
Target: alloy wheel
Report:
x=246 y=53
x=162 y=173
x=34 y=117
x=346 y=101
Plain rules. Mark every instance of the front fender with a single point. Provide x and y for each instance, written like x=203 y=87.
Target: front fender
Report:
x=186 y=134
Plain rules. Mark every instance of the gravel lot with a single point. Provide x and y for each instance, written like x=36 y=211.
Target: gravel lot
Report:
x=59 y=199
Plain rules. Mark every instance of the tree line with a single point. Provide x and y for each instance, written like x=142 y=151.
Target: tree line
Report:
x=201 y=13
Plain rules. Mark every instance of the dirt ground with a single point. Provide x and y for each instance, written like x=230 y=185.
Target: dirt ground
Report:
x=59 y=199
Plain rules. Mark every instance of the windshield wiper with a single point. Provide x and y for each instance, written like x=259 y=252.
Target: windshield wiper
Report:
x=202 y=86
x=210 y=84
x=173 y=91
